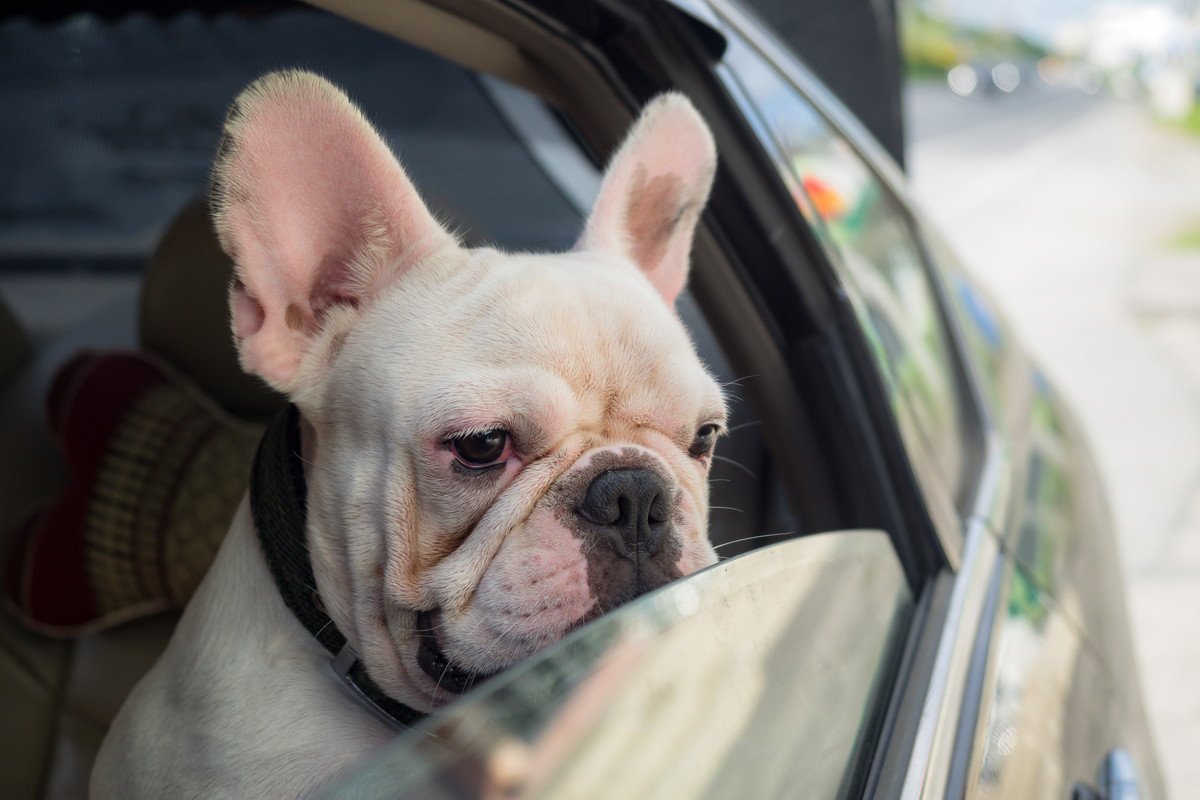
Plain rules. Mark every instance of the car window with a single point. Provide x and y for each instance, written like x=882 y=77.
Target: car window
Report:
x=764 y=676
x=866 y=234
x=1001 y=370
x=790 y=656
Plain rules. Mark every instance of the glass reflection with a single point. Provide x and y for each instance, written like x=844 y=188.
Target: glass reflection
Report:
x=764 y=676
x=867 y=235
x=1001 y=369
x=1046 y=519
x=1052 y=712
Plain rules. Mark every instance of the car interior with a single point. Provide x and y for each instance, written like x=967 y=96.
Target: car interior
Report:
x=105 y=243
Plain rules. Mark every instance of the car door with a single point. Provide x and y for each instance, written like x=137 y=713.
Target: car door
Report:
x=897 y=305
x=1065 y=582
x=1041 y=710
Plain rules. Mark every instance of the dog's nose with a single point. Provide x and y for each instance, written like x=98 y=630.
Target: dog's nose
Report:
x=632 y=506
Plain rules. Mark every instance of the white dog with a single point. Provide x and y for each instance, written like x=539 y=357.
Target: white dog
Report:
x=496 y=447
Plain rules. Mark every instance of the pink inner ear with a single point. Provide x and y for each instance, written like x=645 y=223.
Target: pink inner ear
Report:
x=247 y=312
x=656 y=207
x=316 y=212
x=653 y=192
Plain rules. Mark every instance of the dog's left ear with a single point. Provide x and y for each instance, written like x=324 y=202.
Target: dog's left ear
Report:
x=653 y=192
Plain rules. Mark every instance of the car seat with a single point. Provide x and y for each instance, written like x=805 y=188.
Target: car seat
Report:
x=60 y=696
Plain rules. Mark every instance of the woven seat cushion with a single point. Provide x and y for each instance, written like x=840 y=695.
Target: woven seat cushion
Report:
x=157 y=471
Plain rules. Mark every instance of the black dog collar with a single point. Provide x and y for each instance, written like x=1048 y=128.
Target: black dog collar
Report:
x=278 y=495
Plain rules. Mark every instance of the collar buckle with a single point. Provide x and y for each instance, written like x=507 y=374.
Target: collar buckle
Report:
x=348 y=669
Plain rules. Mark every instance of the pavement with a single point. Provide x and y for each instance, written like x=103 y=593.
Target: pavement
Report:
x=1066 y=206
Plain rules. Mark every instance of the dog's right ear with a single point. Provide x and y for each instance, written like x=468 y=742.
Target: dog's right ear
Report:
x=317 y=215
x=653 y=191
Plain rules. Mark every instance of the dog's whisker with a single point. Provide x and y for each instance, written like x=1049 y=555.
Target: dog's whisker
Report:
x=724 y=508
x=752 y=538
x=478 y=624
x=497 y=638
x=437 y=687
x=749 y=424
x=738 y=381
x=739 y=465
x=302 y=459
x=440 y=625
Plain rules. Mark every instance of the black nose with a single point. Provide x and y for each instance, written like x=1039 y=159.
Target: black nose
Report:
x=632 y=506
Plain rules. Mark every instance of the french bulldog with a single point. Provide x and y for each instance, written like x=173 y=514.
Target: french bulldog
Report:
x=497 y=447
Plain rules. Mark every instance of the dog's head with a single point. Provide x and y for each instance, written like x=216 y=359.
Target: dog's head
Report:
x=499 y=446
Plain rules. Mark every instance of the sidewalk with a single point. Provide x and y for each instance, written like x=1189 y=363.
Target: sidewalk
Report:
x=1073 y=234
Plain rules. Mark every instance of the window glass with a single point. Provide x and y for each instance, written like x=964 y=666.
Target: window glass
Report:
x=765 y=676
x=1000 y=367
x=867 y=236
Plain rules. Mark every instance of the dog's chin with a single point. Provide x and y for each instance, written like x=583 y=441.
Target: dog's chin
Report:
x=446 y=675
x=448 y=679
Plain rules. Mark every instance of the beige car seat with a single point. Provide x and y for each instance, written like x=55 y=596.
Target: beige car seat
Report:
x=59 y=697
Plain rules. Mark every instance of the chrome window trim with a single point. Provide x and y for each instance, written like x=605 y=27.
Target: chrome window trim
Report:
x=965 y=643
x=993 y=500
x=933 y=744
x=966 y=757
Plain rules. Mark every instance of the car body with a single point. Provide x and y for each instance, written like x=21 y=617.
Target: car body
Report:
x=923 y=596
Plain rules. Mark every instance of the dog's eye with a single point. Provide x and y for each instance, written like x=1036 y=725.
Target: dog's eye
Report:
x=483 y=449
x=706 y=439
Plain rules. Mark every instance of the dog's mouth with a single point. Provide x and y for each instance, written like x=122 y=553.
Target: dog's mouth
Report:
x=434 y=662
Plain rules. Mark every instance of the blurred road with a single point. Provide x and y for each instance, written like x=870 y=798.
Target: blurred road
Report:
x=999 y=121
x=1067 y=206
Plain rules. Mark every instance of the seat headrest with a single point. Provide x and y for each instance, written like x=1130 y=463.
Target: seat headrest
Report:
x=184 y=315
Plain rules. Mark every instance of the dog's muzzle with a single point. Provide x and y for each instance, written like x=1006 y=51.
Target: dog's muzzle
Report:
x=626 y=519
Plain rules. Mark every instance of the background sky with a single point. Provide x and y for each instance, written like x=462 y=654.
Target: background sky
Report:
x=1037 y=19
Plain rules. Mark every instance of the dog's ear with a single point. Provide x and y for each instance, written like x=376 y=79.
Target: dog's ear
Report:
x=317 y=215
x=653 y=192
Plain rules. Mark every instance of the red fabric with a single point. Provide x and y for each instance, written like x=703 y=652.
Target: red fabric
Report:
x=47 y=573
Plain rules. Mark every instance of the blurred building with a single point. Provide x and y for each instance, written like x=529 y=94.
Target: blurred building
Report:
x=1153 y=47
